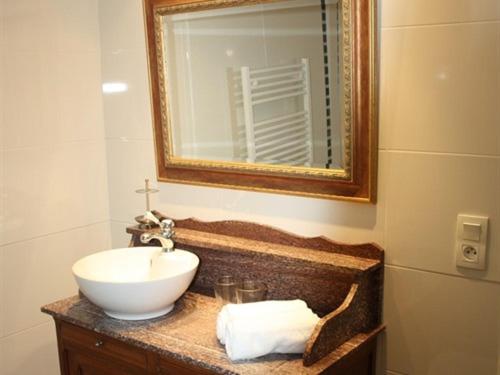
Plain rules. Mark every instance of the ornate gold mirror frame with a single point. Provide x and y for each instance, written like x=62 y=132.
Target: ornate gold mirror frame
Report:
x=356 y=181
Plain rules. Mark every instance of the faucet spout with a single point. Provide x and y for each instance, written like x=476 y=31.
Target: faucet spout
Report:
x=165 y=236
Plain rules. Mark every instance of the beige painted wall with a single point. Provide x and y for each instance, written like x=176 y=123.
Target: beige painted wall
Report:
x=439 y=156
x=53 y=198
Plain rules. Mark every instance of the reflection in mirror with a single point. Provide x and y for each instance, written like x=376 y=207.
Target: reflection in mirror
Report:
x=257 y=83
x=268 y=95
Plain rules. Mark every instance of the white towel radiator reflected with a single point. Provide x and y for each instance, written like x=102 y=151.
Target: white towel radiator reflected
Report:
x=284 y=137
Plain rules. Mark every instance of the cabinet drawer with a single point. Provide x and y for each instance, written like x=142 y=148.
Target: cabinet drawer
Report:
x=80 y=364
x=102 y=345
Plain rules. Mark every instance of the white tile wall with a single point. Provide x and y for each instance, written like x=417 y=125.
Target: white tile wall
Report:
x=119 y=236
x=432 y=66
x=30 y=352
x=129 y=158
x=424 y=12
x=2 y=179
x=116 y=67
x=56 y=26
x=426 y=192
x=54 y=195
x=440 y=151
x=57 y=90
x=437 y=324
x=37 y=272
x=53 y=188
x=2 y=286
x=121 y=25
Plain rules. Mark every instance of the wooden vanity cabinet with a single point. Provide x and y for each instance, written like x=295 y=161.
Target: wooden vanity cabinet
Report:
x=343 y=283
x=169 y=367
x=85 y=352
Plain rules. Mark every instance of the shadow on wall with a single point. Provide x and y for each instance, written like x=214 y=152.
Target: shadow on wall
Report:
x=381 y=354
x=181 y=201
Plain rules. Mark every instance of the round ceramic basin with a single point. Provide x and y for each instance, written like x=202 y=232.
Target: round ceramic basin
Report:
x=135 y=283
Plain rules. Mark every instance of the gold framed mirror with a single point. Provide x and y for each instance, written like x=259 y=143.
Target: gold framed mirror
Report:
x=266 y=95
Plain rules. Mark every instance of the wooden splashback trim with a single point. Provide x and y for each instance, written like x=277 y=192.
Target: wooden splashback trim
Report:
x=265 y=233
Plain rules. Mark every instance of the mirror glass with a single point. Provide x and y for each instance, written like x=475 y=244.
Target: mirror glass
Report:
x=258 y=83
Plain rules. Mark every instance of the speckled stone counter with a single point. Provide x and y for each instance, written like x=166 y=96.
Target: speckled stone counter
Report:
x=188 y=334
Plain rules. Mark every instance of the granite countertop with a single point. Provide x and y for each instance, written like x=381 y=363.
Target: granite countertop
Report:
x=187 y=334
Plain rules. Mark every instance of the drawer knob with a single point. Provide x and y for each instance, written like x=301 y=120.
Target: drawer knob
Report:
x=98 y=343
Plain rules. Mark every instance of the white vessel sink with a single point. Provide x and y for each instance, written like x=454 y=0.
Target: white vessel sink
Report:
x=135 y=283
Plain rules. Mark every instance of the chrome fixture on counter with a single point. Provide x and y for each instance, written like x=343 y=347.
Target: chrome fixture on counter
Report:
x=165 y=236
x=149 y=220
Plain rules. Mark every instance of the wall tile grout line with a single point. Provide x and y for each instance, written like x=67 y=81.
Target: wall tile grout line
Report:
x=440 y=153
x=459 y=23
x=26 y=329
x=52 y=144
x=128 y=139
x=54 y=233
x=467 y=278
x=121 y=222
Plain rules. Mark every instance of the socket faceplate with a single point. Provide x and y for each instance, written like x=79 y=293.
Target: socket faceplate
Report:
x=472 y=234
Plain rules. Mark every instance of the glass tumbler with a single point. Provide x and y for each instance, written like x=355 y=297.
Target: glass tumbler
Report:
x=225 y=289
x=250 y=291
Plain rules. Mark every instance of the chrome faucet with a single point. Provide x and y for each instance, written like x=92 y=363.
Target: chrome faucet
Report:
x=165 y=236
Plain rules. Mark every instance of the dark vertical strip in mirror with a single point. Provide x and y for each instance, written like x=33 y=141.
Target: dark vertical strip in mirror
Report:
x=324 y=29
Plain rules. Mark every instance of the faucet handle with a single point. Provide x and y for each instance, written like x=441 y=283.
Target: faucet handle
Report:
x=167 y=224
x=167 y=227
x=146 y=237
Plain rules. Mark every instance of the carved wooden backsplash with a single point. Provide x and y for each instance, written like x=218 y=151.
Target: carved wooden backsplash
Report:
x=342 y=283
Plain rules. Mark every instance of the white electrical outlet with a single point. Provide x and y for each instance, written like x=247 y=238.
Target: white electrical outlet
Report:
x=472 y=233
x=470 y=253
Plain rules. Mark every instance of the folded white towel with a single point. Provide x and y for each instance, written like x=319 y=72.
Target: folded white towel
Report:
x=249 y=310
x=252 y=330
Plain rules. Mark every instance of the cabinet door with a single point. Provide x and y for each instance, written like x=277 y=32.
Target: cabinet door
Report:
x=169 y=366
x=81 y=364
